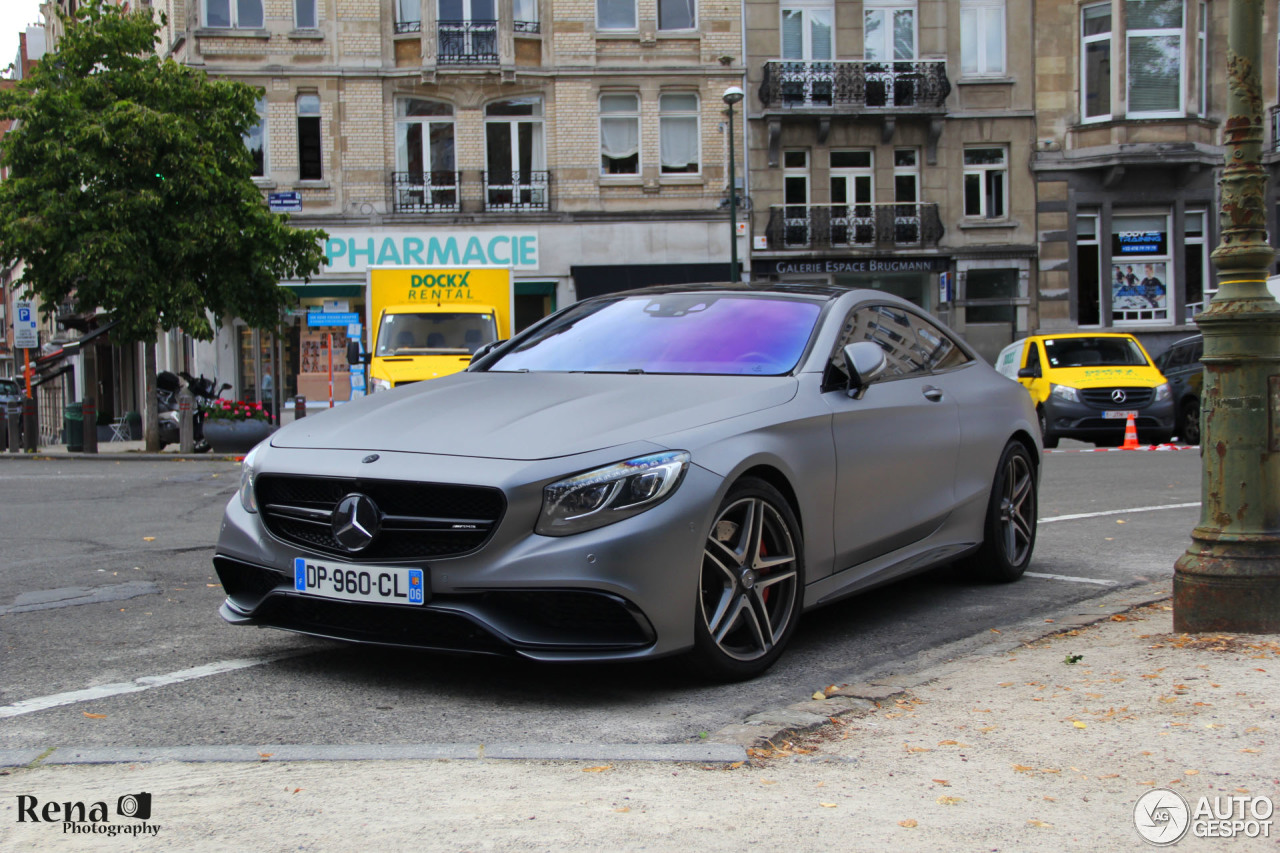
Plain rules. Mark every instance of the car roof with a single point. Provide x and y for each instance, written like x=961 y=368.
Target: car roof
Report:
x=824 y=292
x=1082 y=335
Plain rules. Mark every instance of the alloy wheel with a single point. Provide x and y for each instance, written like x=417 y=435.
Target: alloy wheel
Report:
x=1017 y=508
x=749 y=579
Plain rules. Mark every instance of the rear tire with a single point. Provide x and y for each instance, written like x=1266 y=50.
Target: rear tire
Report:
x=751 y=584
x=1190 y=420
x=1009 y=533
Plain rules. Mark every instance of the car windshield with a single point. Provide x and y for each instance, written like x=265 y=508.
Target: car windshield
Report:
x=1091 y=352
x=691 y=333
x=8 y=388
x=434 y=333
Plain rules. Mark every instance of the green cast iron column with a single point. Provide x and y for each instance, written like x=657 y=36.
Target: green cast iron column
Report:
x=1229 y=579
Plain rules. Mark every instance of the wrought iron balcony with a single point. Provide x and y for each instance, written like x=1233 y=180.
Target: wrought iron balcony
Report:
x=467 y=43
x=408 y=27
x=425 y=192
x=527 y=26
x=902 y=87
x=854 y=226
x=516 y=191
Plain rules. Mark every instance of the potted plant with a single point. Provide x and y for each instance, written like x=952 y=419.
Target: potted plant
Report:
x=235 y=426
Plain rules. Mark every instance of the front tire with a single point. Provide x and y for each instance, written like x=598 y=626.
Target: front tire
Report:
x=1190 y=418
x=1009 y=533
x=1050 y=442
x=751 y=584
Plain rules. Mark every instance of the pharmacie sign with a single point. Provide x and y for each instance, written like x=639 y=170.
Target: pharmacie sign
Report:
x=356 y=251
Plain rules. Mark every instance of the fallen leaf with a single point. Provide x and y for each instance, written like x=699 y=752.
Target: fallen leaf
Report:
x=988 y=728
x=735 y=765
x=1022 y=768
x=1050 y=770
x=909 y=823
x=768 y=782
x=623 y=810
x=265 y=755
x=1051 y=799
x=950 y=801
x=94 y=716
x=1114 y=776
x=943 y=782
x=819 y=695
x=1248 y=750
x=1080 y=725
x=296 y=790
x=600 y=769
x=148 y=538
x=948 y=742
x=994 y=631
x=1034 y=822
x=827 y=805
x=1120 y=521
x=1191 y=772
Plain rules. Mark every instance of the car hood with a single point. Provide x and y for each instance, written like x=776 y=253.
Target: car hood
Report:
x=533 y=415
x=1105 y=377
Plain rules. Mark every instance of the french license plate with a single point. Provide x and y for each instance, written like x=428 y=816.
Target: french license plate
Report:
x=380 y=584
x=1117 y=414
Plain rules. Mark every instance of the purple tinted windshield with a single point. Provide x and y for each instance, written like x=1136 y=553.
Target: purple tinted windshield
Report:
x=673 y=333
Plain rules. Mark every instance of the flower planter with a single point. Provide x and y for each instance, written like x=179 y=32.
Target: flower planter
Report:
x=226 y=436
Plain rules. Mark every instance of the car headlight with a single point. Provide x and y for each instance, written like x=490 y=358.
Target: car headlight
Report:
x=1065 y=392
x=247 y=499
x=596 y=498
x=376 y=384
x=1163 y=392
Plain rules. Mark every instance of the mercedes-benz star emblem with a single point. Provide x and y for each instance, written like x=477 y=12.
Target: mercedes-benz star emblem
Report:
x=355 y=522
x=1118 y=395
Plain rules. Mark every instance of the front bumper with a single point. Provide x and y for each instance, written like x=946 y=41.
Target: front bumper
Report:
x=622 y=591
x=1085 y=422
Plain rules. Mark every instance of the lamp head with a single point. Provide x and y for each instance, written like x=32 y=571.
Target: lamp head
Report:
x=733 y=95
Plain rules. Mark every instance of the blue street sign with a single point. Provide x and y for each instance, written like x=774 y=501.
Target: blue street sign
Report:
x=331 y=318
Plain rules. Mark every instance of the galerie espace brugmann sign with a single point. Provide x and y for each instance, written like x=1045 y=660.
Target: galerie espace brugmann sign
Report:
x=355 y=251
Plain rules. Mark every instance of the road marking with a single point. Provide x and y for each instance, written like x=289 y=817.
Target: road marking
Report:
x=1097 y=581
x=1081 y=515
x=146 y=682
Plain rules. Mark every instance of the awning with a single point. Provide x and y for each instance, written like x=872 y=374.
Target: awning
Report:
x=325 y=289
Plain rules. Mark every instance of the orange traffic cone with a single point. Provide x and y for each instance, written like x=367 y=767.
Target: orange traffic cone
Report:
x=1130 y=435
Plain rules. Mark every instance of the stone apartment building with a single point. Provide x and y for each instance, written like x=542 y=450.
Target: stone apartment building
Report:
x=587 y=133
x=889 y=148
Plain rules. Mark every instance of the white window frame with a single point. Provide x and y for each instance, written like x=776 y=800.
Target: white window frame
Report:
x=409 y=12
x=1177 y=32
x=308 y=106
x=857 y=213
x=888 y=10
x=525 y=11
x=233 y=15
x=667 y=115
x=909 y=171
x=691 y=7
x=1085 y=41
x=620 y=6
x=1202 y=59
x=619 y=116
x=978 y=20
x=260 y=130
x=791 y=174
x=313 y=6
x=985 y=172
x=1083 y=239
x=822 y=12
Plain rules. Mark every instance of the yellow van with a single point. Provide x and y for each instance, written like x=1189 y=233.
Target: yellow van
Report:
x=1086 y=384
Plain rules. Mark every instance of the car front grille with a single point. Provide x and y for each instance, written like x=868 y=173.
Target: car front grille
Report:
x=1102 y=397
x=418 y=520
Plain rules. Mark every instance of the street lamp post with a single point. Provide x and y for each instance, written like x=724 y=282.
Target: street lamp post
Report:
x=732 y=95
x=1229 y=579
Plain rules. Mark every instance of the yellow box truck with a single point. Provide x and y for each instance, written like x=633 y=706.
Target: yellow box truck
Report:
x=427 y=322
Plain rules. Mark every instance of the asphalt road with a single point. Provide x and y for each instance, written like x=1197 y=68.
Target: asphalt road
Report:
x=106 y=579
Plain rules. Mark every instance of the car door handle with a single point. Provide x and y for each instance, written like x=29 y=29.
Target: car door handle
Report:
x=933 y=393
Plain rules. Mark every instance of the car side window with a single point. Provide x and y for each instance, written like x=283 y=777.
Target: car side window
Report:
x=913 y=346
x=1033 y=355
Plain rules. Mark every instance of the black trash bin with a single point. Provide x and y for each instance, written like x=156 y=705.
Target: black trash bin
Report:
x=73 y=426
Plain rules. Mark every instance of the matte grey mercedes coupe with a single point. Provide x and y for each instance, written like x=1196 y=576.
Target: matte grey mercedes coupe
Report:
x=671 y=470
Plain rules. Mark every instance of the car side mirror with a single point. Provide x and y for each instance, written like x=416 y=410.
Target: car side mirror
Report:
x=864 y=361
x=354 y=356
x=1029 y=373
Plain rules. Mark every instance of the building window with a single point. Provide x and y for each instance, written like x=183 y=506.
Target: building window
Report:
x=310 y=165
x=619 y=134
x=1153 y=43
x=1141 y=263
x=616 y=14
x=408 y=16
x=889 y=30
x=1195 y=262
x=426 y=165
x=525 y=15
x=238 y=14
x=255 y=140
x=982 y=38
x=806 y=32
x=994 y=291
x=1202 y=61
x=1095 y=53
x=907 y=220
x=795 y=198
x=986 y=173
x=515 y=157
x=304 y=14
x=676 y=15
x=852 y=176
x=678 y=130
x=1088 y=260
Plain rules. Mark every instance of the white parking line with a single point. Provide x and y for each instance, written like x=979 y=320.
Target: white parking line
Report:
x=1081 y=515
x=1097 y=581
x=146 y=682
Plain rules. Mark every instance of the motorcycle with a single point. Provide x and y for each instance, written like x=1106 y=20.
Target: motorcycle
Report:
x=205 y=392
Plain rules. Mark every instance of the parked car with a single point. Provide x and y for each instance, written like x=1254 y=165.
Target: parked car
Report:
x=1085 y=385
x=10 y=396
x=672 y=470
x=1181 y=366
